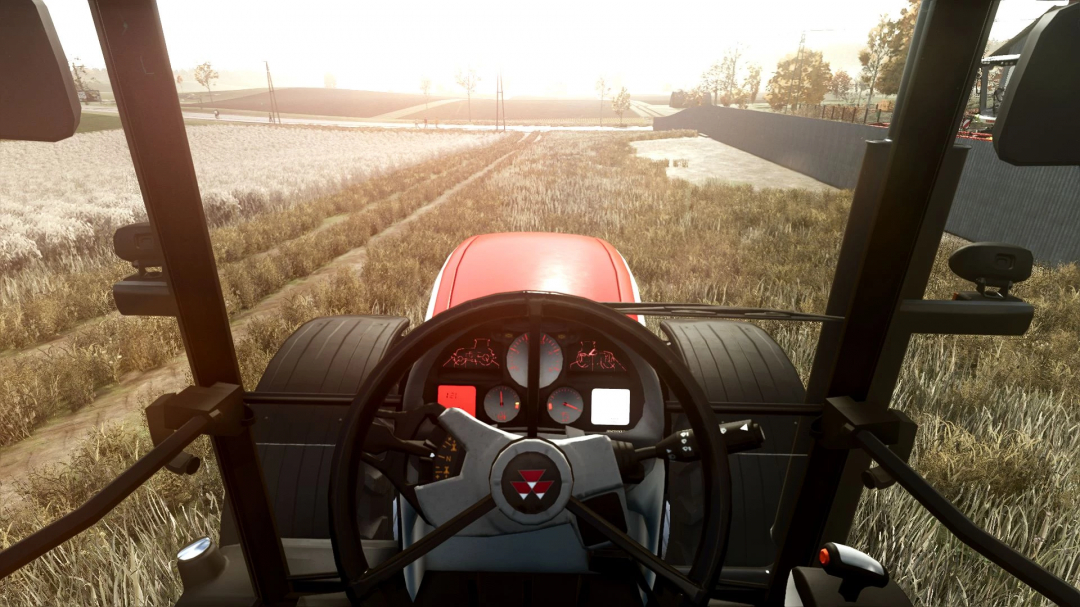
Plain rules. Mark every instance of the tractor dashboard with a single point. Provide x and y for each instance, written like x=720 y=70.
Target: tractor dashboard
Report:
x=588 y=383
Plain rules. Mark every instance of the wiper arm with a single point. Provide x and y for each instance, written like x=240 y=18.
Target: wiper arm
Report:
x=690 y=310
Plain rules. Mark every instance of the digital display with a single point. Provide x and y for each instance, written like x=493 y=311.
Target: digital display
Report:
x=480 y=355
x=458 y=397
x=590 y=357
x=610 y=407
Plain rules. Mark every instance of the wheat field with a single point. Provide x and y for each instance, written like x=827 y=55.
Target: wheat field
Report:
x=998 y=416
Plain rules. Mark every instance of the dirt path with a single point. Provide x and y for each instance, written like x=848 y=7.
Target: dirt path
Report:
x=414 y=109
x=54 y=442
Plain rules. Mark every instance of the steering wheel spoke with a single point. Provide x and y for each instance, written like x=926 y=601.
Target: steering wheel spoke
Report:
x=639 y=553
x=431 y=541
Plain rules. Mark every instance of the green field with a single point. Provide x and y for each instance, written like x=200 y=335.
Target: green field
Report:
x=90 y=122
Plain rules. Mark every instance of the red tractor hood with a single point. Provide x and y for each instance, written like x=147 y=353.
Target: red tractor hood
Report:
x=532 y=261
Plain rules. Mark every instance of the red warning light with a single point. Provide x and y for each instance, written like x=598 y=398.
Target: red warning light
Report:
x=823 y=556
x=458 y=397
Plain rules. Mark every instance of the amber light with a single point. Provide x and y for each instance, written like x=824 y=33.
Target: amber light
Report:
x=823 y=556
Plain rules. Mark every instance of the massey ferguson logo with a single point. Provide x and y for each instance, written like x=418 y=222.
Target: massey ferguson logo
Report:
x=531 y=484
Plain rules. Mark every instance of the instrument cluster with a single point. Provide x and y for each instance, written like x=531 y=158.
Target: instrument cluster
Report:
x=585 y=380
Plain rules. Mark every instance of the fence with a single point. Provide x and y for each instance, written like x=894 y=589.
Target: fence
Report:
x=1034 y=207
x=855 y=114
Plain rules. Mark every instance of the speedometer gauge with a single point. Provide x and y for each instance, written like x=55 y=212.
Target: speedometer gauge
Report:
x=565 y=405
x=502 y=404
x=551 y=360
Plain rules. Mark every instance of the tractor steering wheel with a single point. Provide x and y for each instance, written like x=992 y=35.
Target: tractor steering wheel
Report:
x=576 y=463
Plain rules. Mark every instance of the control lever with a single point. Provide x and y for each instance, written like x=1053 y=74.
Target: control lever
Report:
x=681 y=446
x=856 y=569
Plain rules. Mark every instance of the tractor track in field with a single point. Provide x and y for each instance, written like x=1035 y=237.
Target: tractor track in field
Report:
x=54 y=442
x=67 y=338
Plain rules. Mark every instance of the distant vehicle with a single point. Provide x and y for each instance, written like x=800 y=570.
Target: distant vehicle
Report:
x=88 y=95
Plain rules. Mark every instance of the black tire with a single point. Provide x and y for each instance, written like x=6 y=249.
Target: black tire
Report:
x=330 y=355
x=737 y=362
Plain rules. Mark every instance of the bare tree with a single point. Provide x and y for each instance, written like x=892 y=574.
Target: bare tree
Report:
x=713 y=79
x=621 y=103
x=602 y=89
x=205 y=75
x=425 y=87
x=729 y=77
x=467 y=79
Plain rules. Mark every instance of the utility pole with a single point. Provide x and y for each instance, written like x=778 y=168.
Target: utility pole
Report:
x=275 y=115
x=798 y=69
x=500 y=103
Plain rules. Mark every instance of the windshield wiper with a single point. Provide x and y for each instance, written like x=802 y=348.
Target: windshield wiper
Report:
x=689 y=310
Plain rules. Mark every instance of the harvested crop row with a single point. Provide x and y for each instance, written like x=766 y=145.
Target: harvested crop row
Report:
x=37 y=386
x=38 y=305
x=61 y=199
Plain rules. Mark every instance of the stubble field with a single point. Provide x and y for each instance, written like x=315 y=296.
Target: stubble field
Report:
x=998 y=417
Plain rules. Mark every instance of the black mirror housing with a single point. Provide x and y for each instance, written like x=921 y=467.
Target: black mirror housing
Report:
x=1038 y=123
x=37 y=95
x=992 y=264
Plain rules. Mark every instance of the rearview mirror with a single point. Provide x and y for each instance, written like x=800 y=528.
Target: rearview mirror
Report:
x=1039 y=121
x=37 y=95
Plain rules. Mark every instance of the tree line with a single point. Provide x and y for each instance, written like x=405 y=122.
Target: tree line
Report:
x=805 y=78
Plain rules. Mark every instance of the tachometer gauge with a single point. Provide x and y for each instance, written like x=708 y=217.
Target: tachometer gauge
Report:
x=502 y=404
x=551 y=360
x=565 y=405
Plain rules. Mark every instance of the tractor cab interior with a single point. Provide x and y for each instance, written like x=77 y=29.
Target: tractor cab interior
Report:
x=532 y=441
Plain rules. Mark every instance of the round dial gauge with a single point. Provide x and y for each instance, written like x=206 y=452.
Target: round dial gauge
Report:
x=551 y=360
x=565 y=405
x=502 y=403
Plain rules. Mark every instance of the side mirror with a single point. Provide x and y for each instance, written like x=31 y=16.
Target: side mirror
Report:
x=1038 y=123
x=992 y=264
x=37 y=95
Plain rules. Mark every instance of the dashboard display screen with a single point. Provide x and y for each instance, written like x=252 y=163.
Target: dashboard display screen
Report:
x=610 y=407
x=458 y=397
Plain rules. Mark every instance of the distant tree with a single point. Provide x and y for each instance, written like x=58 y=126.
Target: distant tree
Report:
x=467 y=79
x=713 y=79
x=691 y=98
x=180 y=81
x=799 y=80
x=621 y=103
x=205 y=75
x=892 y=71
x=840 y=85
x=753 y=83
x=329 y=80
x=879 y=50
x=425 y=87
x=602 y=89
x=730 y=91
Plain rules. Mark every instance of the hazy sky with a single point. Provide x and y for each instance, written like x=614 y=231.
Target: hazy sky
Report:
x=543 y=48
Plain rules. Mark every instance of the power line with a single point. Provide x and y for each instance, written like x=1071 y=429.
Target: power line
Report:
x=275 y=115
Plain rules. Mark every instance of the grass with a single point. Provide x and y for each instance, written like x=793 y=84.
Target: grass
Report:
x=40 y=384
x=998 y=417
x=91 y=121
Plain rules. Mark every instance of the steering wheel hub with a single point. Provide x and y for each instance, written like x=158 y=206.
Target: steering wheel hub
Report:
x=531 y=481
